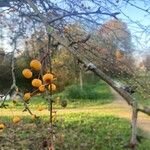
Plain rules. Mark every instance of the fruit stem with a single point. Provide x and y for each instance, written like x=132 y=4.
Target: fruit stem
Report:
x=50 y=100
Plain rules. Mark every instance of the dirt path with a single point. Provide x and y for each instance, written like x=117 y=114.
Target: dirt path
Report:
x=143 y=119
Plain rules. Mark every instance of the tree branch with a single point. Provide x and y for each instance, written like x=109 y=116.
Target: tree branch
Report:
x=78 y=14
x=90 y=65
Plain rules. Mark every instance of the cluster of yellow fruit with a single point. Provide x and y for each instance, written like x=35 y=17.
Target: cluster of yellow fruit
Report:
x=40 y=84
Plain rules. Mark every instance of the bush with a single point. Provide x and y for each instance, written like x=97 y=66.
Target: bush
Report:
x=74 y=92
x=90 y=91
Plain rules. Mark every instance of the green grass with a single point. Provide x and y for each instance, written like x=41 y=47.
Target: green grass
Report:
x=95 y=91
x=73 y=132
x=92 y=94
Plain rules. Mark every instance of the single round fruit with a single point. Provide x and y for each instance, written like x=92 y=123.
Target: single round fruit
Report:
x=33 y=117
x=2 y=126
x=40 y=108
x=14 y=101
x=16 y=119
x=27 y=73
x=35 y=64
x=45 y=144
x=47 y=78
x=63 y=103
x=27 y=96
x=36 y=83
x=42 y=88
x=52 y=87
x=118 y=55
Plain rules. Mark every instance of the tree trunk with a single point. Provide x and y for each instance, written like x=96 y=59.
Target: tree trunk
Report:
x=75 y=70
x=133 y=141
x=81 y=78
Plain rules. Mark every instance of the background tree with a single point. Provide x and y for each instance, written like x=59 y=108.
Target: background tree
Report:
x=147 y=62
x=5 y=74
x=2 y=55
x=117 y=34
x=117 y=48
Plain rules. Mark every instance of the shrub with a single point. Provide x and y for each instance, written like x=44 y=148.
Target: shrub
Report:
x=90 y=91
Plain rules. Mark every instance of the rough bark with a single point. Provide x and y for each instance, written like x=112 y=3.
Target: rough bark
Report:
x=80 y=77
x=133 y=141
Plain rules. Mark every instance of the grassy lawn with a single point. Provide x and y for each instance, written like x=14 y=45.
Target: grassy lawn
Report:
x=82 y=131
x=87 y=129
